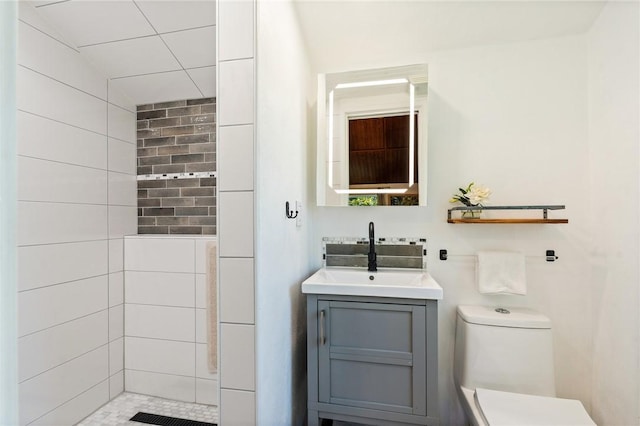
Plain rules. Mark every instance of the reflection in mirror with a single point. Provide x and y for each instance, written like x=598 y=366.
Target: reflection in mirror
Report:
x=369 y=150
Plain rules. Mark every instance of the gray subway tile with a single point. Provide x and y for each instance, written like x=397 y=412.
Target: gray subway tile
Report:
x=146 y=221
x=192 y=211
x=208 y=181
x=147 y=152
x=145 y=107
x=209 y=230
x=153 y=229
x=163 y=193
x=197 y=119
x=201 y=101
x=199 y=167
x=164 y=122
x=173 y=149
x=143 y=184
x=185 y=230
x=170 y=140
x=173 y=220
x=182 y=183
x=187 y=158
x=158 y=211
x=178 y=202
x=145 y=170
x=203 y=138
x=149 y=202
x=205 y=201
x=179 y=130
x=143 y=193
x=142 y=124
x=201 y=147
x=168 y=168
x=202 y=220
x=152 y=161
x=178 y=112
x=204 y=128
x=197 y=192
x=149 y=133
x=156 y=113
x=171 y=104
x=208 y=109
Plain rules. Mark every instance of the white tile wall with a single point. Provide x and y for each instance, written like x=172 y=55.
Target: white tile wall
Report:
x=116 y=255
x=97 y=20
x=160 y=288
x=237 y=300
x=116 y=384
x=43 y=180
x=68 y=380
x=168 y=386
x=122 y=156
x=132 y=57
x=116 y=322
x=153 y=87
x=236 y=92
x=123 y=221
x=43 y=265
x=235 y=216
x=41 y=95
x=160 y=322
x=59 y=303
x=203 y=77
x=116 y=356
x=163 y=323
x=159 y=254
x=160 y=356
x=116 y=288
x=42 y=223
x=38 y=51
x=69 y=273
x=46 y=349
x=237 y=408
x=235 y=29
x=236 y=120
x=237 y=356
x=194 y=48
x=235 y=145
x=192 y=14
x=122 y=189
x=47 y=139
x=77 y=408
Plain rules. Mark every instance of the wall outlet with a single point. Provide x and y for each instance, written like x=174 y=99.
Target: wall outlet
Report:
x=299 y=210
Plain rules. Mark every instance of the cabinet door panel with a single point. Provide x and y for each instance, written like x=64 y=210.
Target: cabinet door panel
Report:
x=367 y=355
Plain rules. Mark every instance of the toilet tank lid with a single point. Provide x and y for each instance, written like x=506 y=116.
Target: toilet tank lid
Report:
x=496 y=316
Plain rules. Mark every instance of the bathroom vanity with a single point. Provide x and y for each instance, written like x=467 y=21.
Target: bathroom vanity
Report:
x=372 y=346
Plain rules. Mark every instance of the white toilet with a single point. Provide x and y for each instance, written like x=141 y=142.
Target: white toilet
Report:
x=503 y=370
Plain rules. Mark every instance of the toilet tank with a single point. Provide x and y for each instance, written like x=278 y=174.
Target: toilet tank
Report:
x=511 y=352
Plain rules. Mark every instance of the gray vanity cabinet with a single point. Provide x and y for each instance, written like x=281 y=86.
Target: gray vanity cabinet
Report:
x=372 y=360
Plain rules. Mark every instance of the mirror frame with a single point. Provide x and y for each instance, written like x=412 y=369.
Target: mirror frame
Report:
x=412 y=75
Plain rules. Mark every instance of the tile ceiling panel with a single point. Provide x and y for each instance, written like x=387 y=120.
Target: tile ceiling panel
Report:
x=131 y=57
x=168 y=16
x=193 y=48
x=90 y=22
x=205 y=79
x=153 y=88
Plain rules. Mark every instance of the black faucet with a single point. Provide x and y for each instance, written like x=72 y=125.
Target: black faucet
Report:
x=373 y=263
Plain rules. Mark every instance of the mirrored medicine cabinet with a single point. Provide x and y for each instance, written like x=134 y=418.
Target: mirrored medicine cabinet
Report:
x=372 y=137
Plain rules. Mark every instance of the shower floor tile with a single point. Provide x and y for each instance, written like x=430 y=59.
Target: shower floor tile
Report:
x=119 y=410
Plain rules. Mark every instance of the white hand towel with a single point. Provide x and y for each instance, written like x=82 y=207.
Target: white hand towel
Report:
x=500 y=272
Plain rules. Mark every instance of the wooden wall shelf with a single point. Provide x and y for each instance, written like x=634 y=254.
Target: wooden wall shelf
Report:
x=544 y=219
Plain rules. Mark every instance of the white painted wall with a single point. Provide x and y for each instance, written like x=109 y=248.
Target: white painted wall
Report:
x=285 y=95
x=76 y=200
x=614 y=133
x=165 y=303
x=512 y=117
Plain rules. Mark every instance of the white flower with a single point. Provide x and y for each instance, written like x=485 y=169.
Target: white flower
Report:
x=478 y=193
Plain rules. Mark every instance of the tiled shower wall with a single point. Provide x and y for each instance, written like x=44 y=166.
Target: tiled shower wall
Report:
x=177 y=137
x=76 y=201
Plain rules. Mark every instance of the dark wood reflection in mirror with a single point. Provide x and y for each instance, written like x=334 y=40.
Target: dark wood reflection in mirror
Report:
x=379 y=150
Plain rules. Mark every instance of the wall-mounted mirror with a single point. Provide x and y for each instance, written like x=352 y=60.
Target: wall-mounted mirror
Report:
x=372 y=137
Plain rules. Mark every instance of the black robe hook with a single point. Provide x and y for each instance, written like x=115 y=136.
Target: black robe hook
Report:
x=290 y=213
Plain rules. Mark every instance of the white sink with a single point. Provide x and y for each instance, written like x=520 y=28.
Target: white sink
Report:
x=405 y=284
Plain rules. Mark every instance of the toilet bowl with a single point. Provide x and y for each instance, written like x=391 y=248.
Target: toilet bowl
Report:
x=503 y=370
